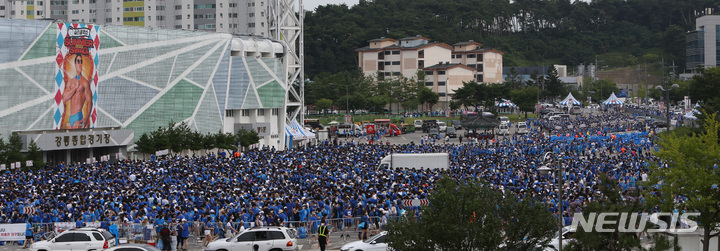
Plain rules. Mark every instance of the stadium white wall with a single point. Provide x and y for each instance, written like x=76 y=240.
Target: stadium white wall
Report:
x=148 y=77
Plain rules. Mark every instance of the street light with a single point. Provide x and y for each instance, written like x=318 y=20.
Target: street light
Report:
x=667 y=101
x=545 y=170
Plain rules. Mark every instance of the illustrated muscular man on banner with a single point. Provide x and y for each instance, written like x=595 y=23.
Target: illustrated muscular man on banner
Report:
x=77 y=96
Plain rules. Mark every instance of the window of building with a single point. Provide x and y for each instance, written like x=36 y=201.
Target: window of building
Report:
x=210 y=26
x=178 y=7
x=275 y=112
x=178 y=26
x=251 y=25
x=396 y=52
x=261 y=112
x=421 y=54
x=421 y=63
x=381 y=66
x=452 y=56
x=108 y=20
x=387 y=62
x=479 y=67
x=178 y=17
x=429 y=83
x=381 y=55
x=149 y=7
x=395 y=62
x=246 y=113
x=261 y=129
x=159 y=7
x=188 y=26
x=251 y=14
x=159 y=18
x=441 y=94
x=149 y=18
x=479 y=57
x=188 y=16
x=75 y=12
x=396 y=73
x=387 y=52
x=229 y=113
x=429 y=73
x=221 y=5
x=40 y=13
x=221 y=25
x=188 y=6
x=459 y=56
x=209 y=16
x=471 y=55
x=479 y=78
x=441 y=83
x=441 y=72
x=221 y=15
x=118 y=19
x=139 y=8
x=30 y=12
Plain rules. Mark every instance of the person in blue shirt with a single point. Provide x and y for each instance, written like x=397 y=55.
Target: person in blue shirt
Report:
x=184 y=234
x=28 y=234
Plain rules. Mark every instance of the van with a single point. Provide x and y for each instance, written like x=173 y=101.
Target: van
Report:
x=504 y=119
x=441 y=126
x=504 y=129
x=554 y=117
x=451 y=132
x=576 y=110
x=418 y=123
x=522 y=128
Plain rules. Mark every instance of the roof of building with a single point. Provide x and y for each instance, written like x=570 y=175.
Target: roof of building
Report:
x=467 y=43
x=381 y=39
x=396 y=47
x=414 y=38
x=481 y=50
x=447 y=66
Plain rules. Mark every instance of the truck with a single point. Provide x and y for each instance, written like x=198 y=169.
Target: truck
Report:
x=416 y=160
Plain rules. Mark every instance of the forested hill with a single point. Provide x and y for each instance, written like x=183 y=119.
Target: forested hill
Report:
x=528 y=31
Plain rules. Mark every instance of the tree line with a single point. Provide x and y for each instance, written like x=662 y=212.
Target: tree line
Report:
x=179 y=137
x=529 y=32
x=11 y=152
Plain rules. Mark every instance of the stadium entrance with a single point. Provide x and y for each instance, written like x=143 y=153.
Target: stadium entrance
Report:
x=79 y=145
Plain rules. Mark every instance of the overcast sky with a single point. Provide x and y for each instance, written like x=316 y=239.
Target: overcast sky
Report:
x=312 y=4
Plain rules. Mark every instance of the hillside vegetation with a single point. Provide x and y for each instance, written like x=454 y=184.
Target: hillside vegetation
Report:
x=529 y=32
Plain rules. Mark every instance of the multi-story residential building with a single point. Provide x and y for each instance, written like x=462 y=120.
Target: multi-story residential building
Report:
x=486 y=61
x=405 y=57
x=446 y=67
x=229 y=16
x=703 y=44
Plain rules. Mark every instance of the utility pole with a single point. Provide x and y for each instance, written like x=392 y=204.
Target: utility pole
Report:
x=646 y=85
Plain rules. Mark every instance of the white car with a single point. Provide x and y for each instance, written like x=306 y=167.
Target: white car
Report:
x=267 y=238
x=504 y=119
x=374 y=243
x=504 y=129
x=442 y=126
x=77 y=239
x=418 y=123
x=568 y=233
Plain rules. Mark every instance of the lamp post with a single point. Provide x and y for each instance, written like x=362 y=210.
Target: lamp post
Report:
x=545 y=170
x=667 y=101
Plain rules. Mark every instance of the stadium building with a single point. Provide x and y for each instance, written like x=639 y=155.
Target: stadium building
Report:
x=82 y=91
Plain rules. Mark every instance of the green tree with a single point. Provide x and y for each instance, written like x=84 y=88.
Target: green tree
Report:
x=323 y=104
x=467 y=94
x=247 y=138
x=13 y=149
x=35 y=154
x=514 y=80
x=704 y=88
x=427 y=96
x=554 y=86
x=690 y=169
x=145 y=144
x=525 y=98
x=3 y=151
x=460 y=217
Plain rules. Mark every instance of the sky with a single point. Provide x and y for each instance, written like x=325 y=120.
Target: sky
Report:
x=312 y=4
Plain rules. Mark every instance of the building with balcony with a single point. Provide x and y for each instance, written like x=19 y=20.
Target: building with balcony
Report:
x=247 y=17
x=486 y=61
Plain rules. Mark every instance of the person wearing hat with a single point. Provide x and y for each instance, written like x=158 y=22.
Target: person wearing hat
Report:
x=184 y=229
x=323 y=235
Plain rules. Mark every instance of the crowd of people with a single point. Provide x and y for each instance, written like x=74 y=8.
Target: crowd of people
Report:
x=269 y=187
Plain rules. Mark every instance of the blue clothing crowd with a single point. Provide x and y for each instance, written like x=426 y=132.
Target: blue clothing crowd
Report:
x=328 y=180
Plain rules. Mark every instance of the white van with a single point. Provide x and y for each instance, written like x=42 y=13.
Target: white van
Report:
x=418 y=124
x=441 y=126
x=522 y=128
x=505 y=120
x=504 y=129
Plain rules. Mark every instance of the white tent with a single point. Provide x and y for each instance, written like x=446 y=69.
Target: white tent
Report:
x=691 y=114
x=505 y=103
x=570 y=100
x=613 y=100
x=295 y=132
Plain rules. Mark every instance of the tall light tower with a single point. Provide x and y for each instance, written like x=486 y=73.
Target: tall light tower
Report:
x=286 y=26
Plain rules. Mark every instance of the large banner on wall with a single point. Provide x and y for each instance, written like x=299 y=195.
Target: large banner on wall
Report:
x=76 y=76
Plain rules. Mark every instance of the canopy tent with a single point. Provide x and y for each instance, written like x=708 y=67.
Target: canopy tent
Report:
x=570 y=100
x=505 y=103
x=480 y=122
x=613 y=100
x=691 y=114
x=295 y=132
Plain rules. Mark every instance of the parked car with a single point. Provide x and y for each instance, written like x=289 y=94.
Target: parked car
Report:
x=429 y=124
x=267 y=238
x=576 y=110
x=457 y=124
x=133 y=247
x=433 y=132
x=522 y=128
x=451 y=132
x=374 y=243
x=77 y=239
x=441 y=126
x=418 y=123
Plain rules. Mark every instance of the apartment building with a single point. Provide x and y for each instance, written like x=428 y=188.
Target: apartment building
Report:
x=248 y=17
x=405 y=57
x=486 y=61
x=446 y=67
x=703 y=44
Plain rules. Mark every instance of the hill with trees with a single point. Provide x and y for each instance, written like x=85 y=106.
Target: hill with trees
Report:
x=530 y=32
